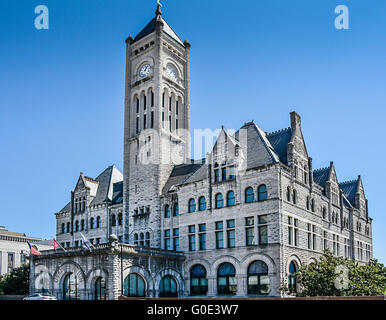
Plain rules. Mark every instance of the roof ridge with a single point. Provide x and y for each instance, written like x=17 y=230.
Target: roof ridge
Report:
x=348 y=181
x=278 y=131
x=320 y=169
x=192 y=173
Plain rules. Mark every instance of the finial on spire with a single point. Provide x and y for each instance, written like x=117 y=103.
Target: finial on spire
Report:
x=158 y=12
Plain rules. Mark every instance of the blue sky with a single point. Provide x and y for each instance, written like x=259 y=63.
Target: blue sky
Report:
x=61 y=109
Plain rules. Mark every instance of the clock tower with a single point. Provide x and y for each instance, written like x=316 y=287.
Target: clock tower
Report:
x=156 y=129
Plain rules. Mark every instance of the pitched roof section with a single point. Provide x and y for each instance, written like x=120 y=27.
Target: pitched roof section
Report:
x=105 y=188
x=259 y=150
x=179 y=175
x=321 y=176
x=150 y=28
x=279 y=140
x=349 y=189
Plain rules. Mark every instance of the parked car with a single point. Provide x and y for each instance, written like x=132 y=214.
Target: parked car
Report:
x=40 y=296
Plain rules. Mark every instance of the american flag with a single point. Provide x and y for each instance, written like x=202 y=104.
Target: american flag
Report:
x=33 y=250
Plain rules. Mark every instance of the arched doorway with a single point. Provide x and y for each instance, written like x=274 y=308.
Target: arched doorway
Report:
x=100 y=289
x=70 y=287
x=134 y=286
x=168 y=287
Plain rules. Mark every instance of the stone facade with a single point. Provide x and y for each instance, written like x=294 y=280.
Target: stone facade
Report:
x=237 y=223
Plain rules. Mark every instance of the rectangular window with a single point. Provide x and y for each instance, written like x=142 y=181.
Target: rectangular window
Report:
x=192 y=242
x=249 y=231
x=177 y=107
x=296 y=232
x=152 y=99
x=170 y=123
x=219 y=235
x=163 y=119
x=176 y=239
x=202 y=237
x=263 y=229
x=144 y=121
x=137 y=126
x=216 y=175
x=223 y=174
x=231 y=233
x=232 y=173
x=137 y=105
x=152 y=119
x=11 y=261
x=144 y=102
x=325 y=243
x=167 y=239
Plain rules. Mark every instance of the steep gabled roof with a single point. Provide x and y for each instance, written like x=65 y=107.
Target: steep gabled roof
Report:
x=349 y=189
x=279 y=140
x=259 y=149
x=105 y=188
x=179 y=175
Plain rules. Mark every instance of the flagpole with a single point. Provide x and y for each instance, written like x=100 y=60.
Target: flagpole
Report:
x=59 y=244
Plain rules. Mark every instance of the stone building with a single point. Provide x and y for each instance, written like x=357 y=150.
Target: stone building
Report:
x=14 y=249
x=238 y=223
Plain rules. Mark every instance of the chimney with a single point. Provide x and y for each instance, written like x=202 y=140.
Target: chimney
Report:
x=295 y=121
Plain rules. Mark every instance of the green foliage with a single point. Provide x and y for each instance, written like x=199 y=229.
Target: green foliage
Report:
x=337 y=276
x=16 y=282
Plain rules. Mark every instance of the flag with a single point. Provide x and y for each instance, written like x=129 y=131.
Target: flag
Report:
x=55 y=245
x=86 y=244
x=33 y=250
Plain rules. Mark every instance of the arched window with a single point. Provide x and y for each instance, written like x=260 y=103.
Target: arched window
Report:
x=249 y=195
x=291 y=277
x=100 y=289
x=175 y=210
x=168 y=287
x=288 y=194
x=82 y=225
x=76 y=225
x=63 y=227
x=262 y=193
x=70 y=287
x=202 y=204
x=308 y=203
x=113 y=220
x=92 y=223
x=147 y=239
x=136 y=239
x=294 y=196
x=198 y=280
x=230 y=199
x=98 y=222
x=226 y=280
x=141 y=239
x=167 y=211
x=134 y=286
x=258 y=279
x=68 y=227
x=219 y=200
x=120 y=219
x=192 y=205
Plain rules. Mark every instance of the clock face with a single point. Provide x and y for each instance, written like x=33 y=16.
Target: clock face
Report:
x=145 y=71
x=171 y=72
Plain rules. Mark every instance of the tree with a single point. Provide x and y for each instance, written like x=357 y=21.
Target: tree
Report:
x=16 y=282
x=337 y=276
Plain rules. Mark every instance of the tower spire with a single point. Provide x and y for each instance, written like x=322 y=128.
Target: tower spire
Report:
x=158 y=12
